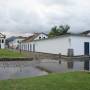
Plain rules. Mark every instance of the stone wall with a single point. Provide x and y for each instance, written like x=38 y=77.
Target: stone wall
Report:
x=37 y=56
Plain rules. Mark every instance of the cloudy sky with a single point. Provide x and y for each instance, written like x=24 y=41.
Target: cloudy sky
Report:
x=28 y=16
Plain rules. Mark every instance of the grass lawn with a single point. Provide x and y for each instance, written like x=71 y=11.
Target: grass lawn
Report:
x=5 y=53
x=63 y=81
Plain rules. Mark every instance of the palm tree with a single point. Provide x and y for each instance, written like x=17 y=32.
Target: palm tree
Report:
x=57 y=31
x=64 y=28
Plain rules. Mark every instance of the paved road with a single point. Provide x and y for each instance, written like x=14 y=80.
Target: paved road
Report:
x=54 y=66
x=21 y=69
x=14 y=69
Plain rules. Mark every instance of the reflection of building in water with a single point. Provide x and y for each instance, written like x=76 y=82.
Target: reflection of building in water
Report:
x=77 y=65
x=70 y=64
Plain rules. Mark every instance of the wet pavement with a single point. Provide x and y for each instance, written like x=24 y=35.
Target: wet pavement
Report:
x=14 y=70
x=55 y=66
x=22 y=69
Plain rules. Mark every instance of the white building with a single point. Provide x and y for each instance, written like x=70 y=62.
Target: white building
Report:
x=78 y=44
x=28 y=44
x=2 y=41
x=15 y=42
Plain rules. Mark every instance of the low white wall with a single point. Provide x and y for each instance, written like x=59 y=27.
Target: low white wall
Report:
x=2 y=44
x=54 y=46
x=58 y=45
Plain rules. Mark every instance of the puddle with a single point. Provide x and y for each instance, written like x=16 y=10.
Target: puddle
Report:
x=14 y=70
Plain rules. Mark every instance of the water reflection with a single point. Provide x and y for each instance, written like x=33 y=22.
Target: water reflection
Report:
x=20 y=69
x=64 y=66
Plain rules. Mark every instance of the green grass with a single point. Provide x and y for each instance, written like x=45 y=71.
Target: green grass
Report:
x=5 y=53
x=63 y=81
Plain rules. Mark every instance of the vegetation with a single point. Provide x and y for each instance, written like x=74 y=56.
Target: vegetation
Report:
x=63 y=81
x=5 y=53
x=57 y=31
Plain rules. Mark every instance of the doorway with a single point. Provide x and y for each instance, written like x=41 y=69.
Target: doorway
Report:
x=86 y=48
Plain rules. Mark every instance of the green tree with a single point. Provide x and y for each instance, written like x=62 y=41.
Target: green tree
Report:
x=57 y=31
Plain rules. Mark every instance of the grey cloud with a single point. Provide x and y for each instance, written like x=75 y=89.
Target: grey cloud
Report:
x=58 y=2
x=74 y=12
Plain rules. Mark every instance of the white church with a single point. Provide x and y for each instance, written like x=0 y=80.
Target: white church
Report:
x=2 y=41
x=78 y=44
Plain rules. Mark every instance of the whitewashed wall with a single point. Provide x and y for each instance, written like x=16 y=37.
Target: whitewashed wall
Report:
x=2 y=43
x=15 y=43
x=77 y=43
x=27 y=46
x=55 y=46
x=58 y=45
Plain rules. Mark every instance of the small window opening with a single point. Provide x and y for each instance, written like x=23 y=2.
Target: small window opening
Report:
x=39 y=37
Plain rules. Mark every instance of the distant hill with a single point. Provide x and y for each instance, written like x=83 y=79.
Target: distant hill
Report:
x=11 y=38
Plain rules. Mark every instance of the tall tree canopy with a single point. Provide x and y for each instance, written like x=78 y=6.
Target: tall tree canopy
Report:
x=57 y=31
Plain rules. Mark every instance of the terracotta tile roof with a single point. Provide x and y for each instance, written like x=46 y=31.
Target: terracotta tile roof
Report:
x=31 y=38
x=21 y=37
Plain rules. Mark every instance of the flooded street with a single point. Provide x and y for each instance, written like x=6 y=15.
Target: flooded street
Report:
x=19 y=69
x=62 y=66
x=22 y=69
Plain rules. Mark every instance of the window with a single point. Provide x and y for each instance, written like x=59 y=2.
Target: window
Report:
x=30 y=47
x=33 y=47
x=18 y=41
x=39 y=37
x=24 y=47
x=2 y=41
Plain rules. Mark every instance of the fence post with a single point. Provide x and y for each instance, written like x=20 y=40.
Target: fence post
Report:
x=59 y=58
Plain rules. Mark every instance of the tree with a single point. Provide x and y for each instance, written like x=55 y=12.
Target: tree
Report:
x=57 y=31
x=54 y=31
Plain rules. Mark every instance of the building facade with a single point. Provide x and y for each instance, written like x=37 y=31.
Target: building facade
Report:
x=28 y=45
x=77 y=44
x=2 y=41
x=16 y=42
